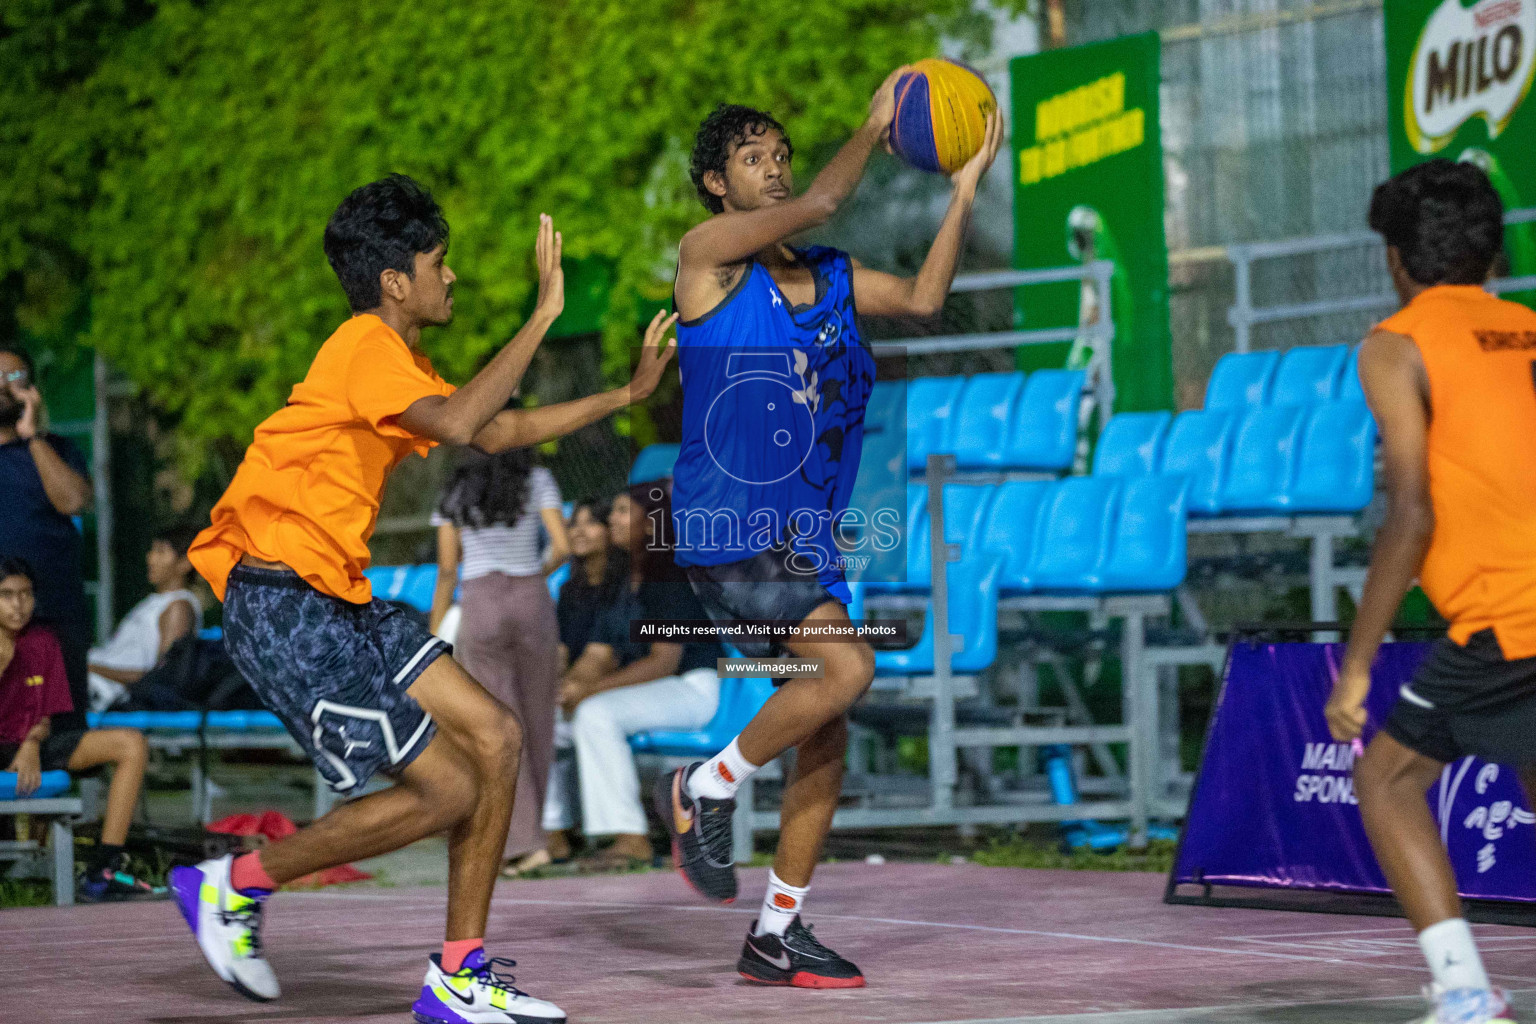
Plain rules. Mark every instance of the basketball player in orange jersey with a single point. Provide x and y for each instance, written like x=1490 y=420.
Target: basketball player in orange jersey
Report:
x=1451 y=379
x=362 y=688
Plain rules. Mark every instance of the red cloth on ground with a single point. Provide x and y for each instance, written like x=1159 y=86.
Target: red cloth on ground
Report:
x=275 y=825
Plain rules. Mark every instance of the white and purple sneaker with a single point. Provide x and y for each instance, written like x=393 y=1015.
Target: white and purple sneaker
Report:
x=476 y=994
x=227 y=926
x=1466 y=1006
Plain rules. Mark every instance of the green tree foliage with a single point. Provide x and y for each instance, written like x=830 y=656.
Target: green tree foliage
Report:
x=177 y=163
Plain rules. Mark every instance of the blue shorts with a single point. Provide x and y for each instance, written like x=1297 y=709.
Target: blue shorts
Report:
x=334 y=672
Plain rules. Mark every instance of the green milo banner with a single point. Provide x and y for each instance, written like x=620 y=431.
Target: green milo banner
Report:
x=1458 y=81
x=1088 y=184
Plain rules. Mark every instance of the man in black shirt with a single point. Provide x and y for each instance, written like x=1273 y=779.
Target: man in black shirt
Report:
x=45 y=481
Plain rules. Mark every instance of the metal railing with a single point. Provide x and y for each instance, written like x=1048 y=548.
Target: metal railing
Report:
x=1100 y=334
x=1244 y=315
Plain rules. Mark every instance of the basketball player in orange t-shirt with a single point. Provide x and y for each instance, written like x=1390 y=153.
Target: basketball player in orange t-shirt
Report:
x=361 y=687
x=1450 y=381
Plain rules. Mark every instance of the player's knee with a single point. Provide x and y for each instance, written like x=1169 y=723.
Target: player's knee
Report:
x=133 y=748
x=854 y=672
x=500 y=743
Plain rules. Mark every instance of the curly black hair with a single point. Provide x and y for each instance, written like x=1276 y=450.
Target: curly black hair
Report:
x=381 y=226
x=10 y=566
x=1444 y=217
x=726 y=128
x=488 y=490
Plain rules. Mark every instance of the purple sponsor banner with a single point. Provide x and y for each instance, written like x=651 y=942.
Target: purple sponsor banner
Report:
x=1274 y=805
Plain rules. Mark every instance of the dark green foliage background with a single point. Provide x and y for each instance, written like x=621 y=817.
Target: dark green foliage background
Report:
x=168 y=167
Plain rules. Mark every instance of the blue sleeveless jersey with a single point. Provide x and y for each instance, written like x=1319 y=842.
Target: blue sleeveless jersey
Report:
x=773 y=421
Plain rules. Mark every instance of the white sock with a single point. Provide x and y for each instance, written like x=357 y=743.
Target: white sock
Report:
x=718 y=777
x=781 y=903
x=1452 y=956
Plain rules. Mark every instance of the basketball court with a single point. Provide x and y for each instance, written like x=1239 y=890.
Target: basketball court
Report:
x=940 y=944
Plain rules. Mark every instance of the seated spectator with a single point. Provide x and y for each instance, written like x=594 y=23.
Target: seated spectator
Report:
x=616 y=688
x=33 y=688
x=598 y=583
x=152 y=626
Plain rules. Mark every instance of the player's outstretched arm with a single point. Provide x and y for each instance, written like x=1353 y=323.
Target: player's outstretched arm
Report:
x=1397 y=389
x=461 y=416
x=730 y=238
x=880 y=294
x=519 y=428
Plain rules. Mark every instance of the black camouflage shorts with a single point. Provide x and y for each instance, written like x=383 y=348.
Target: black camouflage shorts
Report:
x=764 y=587
x=334 y=672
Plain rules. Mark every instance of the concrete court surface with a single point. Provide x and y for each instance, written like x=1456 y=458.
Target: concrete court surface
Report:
x=940 y=944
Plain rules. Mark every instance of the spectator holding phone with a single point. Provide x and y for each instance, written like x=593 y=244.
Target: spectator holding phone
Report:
x=45 y=481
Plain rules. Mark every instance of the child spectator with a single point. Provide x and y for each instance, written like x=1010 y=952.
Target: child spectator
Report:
x=153 y=625
x=33 y=688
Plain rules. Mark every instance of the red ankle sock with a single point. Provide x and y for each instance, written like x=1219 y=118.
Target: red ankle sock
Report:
x=456 y=950
x=247 y=873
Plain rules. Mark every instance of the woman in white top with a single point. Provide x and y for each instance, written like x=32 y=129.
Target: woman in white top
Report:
x=488 y=538
x=152 y=626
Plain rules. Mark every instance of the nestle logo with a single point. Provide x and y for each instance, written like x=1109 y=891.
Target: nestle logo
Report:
x=1505 y=341
x=1485 y=16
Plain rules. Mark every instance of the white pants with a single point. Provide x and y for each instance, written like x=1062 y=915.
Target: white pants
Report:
x=601 y=727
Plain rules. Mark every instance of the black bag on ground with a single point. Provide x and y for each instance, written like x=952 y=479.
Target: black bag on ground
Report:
x=194 y=675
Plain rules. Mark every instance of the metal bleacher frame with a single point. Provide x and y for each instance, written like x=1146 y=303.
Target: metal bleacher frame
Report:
x=947 y=738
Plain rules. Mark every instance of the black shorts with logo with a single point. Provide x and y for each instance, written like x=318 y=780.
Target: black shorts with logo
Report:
x=336 y=673
x=1469 y=700
x=763 y=587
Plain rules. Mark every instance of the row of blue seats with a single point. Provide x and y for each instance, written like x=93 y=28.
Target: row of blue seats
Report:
x=1300 y=376
x=1266 y=459
x=990 y=421
x=1078 y=535
x=184 y=721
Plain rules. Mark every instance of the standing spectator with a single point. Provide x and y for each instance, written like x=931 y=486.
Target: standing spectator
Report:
x=34 y=700
x=154 y=624
x=489 y=522
x=44 y=481
x=618 y=688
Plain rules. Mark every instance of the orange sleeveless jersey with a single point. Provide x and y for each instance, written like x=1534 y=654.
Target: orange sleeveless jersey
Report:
x=1480 y=355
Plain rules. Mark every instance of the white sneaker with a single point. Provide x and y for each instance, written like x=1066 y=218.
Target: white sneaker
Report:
x=1466 y=1006
x=227 y=926
x=476 y=994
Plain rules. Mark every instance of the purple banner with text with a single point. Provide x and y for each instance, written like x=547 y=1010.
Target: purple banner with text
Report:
x=1274 y=805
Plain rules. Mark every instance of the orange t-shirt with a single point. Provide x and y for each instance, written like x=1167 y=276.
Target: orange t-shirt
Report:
x=1479 y=352
x=307 y=494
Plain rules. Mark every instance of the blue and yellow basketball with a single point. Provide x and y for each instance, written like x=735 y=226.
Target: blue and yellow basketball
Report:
x=941 y=111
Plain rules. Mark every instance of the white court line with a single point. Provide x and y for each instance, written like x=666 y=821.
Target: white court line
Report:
x=1117 y=940
x=1176 y=1014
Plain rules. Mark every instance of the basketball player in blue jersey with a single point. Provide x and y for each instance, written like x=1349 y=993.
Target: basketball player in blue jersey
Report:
x=775 y=379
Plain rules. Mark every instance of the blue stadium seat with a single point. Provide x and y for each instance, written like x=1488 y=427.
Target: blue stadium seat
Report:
x=388 y=580
x=1262 y=469
x=243 y=721
x=1072 y=536
x=1308 y=374
x=1009 y=529
x=740 y=699
x=211 y=633
x=1336 y=471
x=419 y=586
x=165 y=721
x=557 y=579
x=930 y=412
x=1043 y=434
x=982 y=420
x=973 y=587
x=1196 y=448
x=654 y=462
x=1147 y=552
x=50 y=784
x=1240 y=380
x=1349 y=378
x=965 y=511
x=1131 y=444
x=919 y=546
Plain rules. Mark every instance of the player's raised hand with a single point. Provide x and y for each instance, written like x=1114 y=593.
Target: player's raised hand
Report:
x=551 y=275
x=882 y=108
x=976 y=167
x=654 y=357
